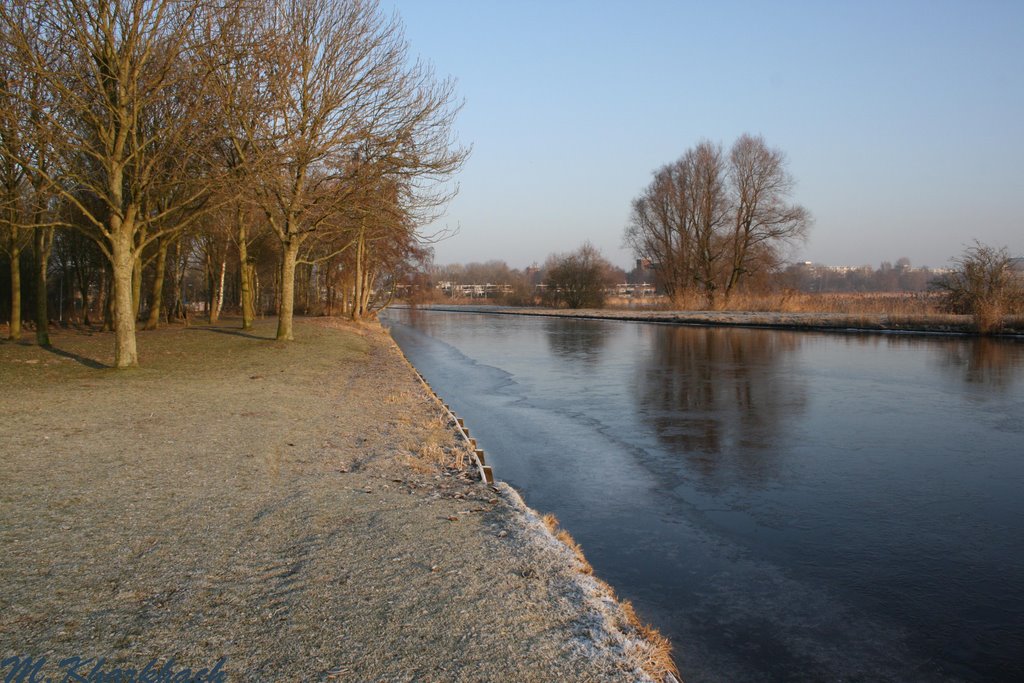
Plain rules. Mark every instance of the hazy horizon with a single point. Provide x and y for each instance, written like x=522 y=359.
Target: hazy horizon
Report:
x=900 y=121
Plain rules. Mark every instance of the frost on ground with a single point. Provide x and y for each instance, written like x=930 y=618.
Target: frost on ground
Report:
x=838 y=322
x=604 y=624
x=291 y=508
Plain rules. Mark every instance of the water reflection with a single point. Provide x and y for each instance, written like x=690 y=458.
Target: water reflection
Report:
x=983 y=361
x=720 y=398
x=786 y=506
x=580 y=342
x=991 y=363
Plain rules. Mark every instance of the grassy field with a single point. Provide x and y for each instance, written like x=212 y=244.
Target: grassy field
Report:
x=292 y=510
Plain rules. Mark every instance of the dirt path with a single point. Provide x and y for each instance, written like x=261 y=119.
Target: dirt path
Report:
x=284 y=508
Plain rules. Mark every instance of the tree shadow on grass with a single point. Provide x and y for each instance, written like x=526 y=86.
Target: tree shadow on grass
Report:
x=87 y=362
x=236 y=333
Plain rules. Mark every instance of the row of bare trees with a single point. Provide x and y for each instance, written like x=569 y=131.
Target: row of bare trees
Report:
x=147 y=125
x=711 y=219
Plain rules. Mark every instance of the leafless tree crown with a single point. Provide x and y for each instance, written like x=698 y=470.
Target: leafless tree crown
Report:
x=709 y=220
x=159 y=123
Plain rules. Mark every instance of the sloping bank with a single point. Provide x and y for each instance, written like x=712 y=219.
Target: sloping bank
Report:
x=825 y=322
x=275 y=512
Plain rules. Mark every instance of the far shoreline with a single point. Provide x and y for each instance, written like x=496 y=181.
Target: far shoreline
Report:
x=874 y=323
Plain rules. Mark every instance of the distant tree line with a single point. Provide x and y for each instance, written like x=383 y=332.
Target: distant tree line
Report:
x=282 y=153
x=982 y=274
x=900 y=276
x=801 y=277
x=577 y=279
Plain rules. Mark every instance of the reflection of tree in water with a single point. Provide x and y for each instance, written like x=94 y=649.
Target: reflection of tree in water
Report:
x=576 y=340
x=431 y=323
x=720 y=397
x=993 y=363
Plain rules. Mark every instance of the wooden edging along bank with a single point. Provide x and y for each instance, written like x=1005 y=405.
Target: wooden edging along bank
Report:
x=477 y=454
x=658 y=663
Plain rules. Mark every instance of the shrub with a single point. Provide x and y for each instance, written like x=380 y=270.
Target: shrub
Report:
x=985 y=284
x=579 y=279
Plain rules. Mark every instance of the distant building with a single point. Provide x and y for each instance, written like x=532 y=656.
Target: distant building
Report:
x=474 y=291
x=645 y=271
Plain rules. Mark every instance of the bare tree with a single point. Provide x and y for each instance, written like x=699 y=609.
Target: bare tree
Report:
x=243 y=51
x=985 y=283
x=762 y=218
x=164 y=110
x=579 y=279
x=347 y=110
x=658 y=230
x=708 y=206
x=678 y=221
x=213 y=244
x=14 y=139
x=707 y=222
x=26 y=154
x=129 y=121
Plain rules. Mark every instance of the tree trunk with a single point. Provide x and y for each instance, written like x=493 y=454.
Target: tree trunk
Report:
x=257 y=310
x=105 y=299
x=245 y=270
x=368 y=278
x=123 y=265
x=108 y=307
x=137 y=276
x=218 y=300
x=346 y=292
x=248 y=295
x=137 y=285
x=43 y=242
x=158 y=285
x=329 y=284
x=177 y=309
x=357 y=290
x=14 y=251
x=83 y=289
x=287 y=310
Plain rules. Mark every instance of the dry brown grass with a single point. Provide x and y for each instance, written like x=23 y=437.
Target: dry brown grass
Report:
x=438 y=447
x=566 y=538
x=657 y=658
x=880 y=303
x=432 y=452
x=655 y=650
x=922 y=311
x=420 y=465
x=396 y=397
x=789 y=301
x=439 y=444
x=551 y=522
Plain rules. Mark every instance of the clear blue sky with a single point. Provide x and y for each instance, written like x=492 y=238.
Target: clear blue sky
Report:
x=903 y=122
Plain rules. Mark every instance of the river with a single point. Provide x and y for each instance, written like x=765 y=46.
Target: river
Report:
x=784 y=506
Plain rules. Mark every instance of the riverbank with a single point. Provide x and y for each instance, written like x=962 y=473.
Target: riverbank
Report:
x=825 y=322
x=282 y=511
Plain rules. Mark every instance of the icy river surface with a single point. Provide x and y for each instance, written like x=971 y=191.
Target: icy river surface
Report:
x=785 y=506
